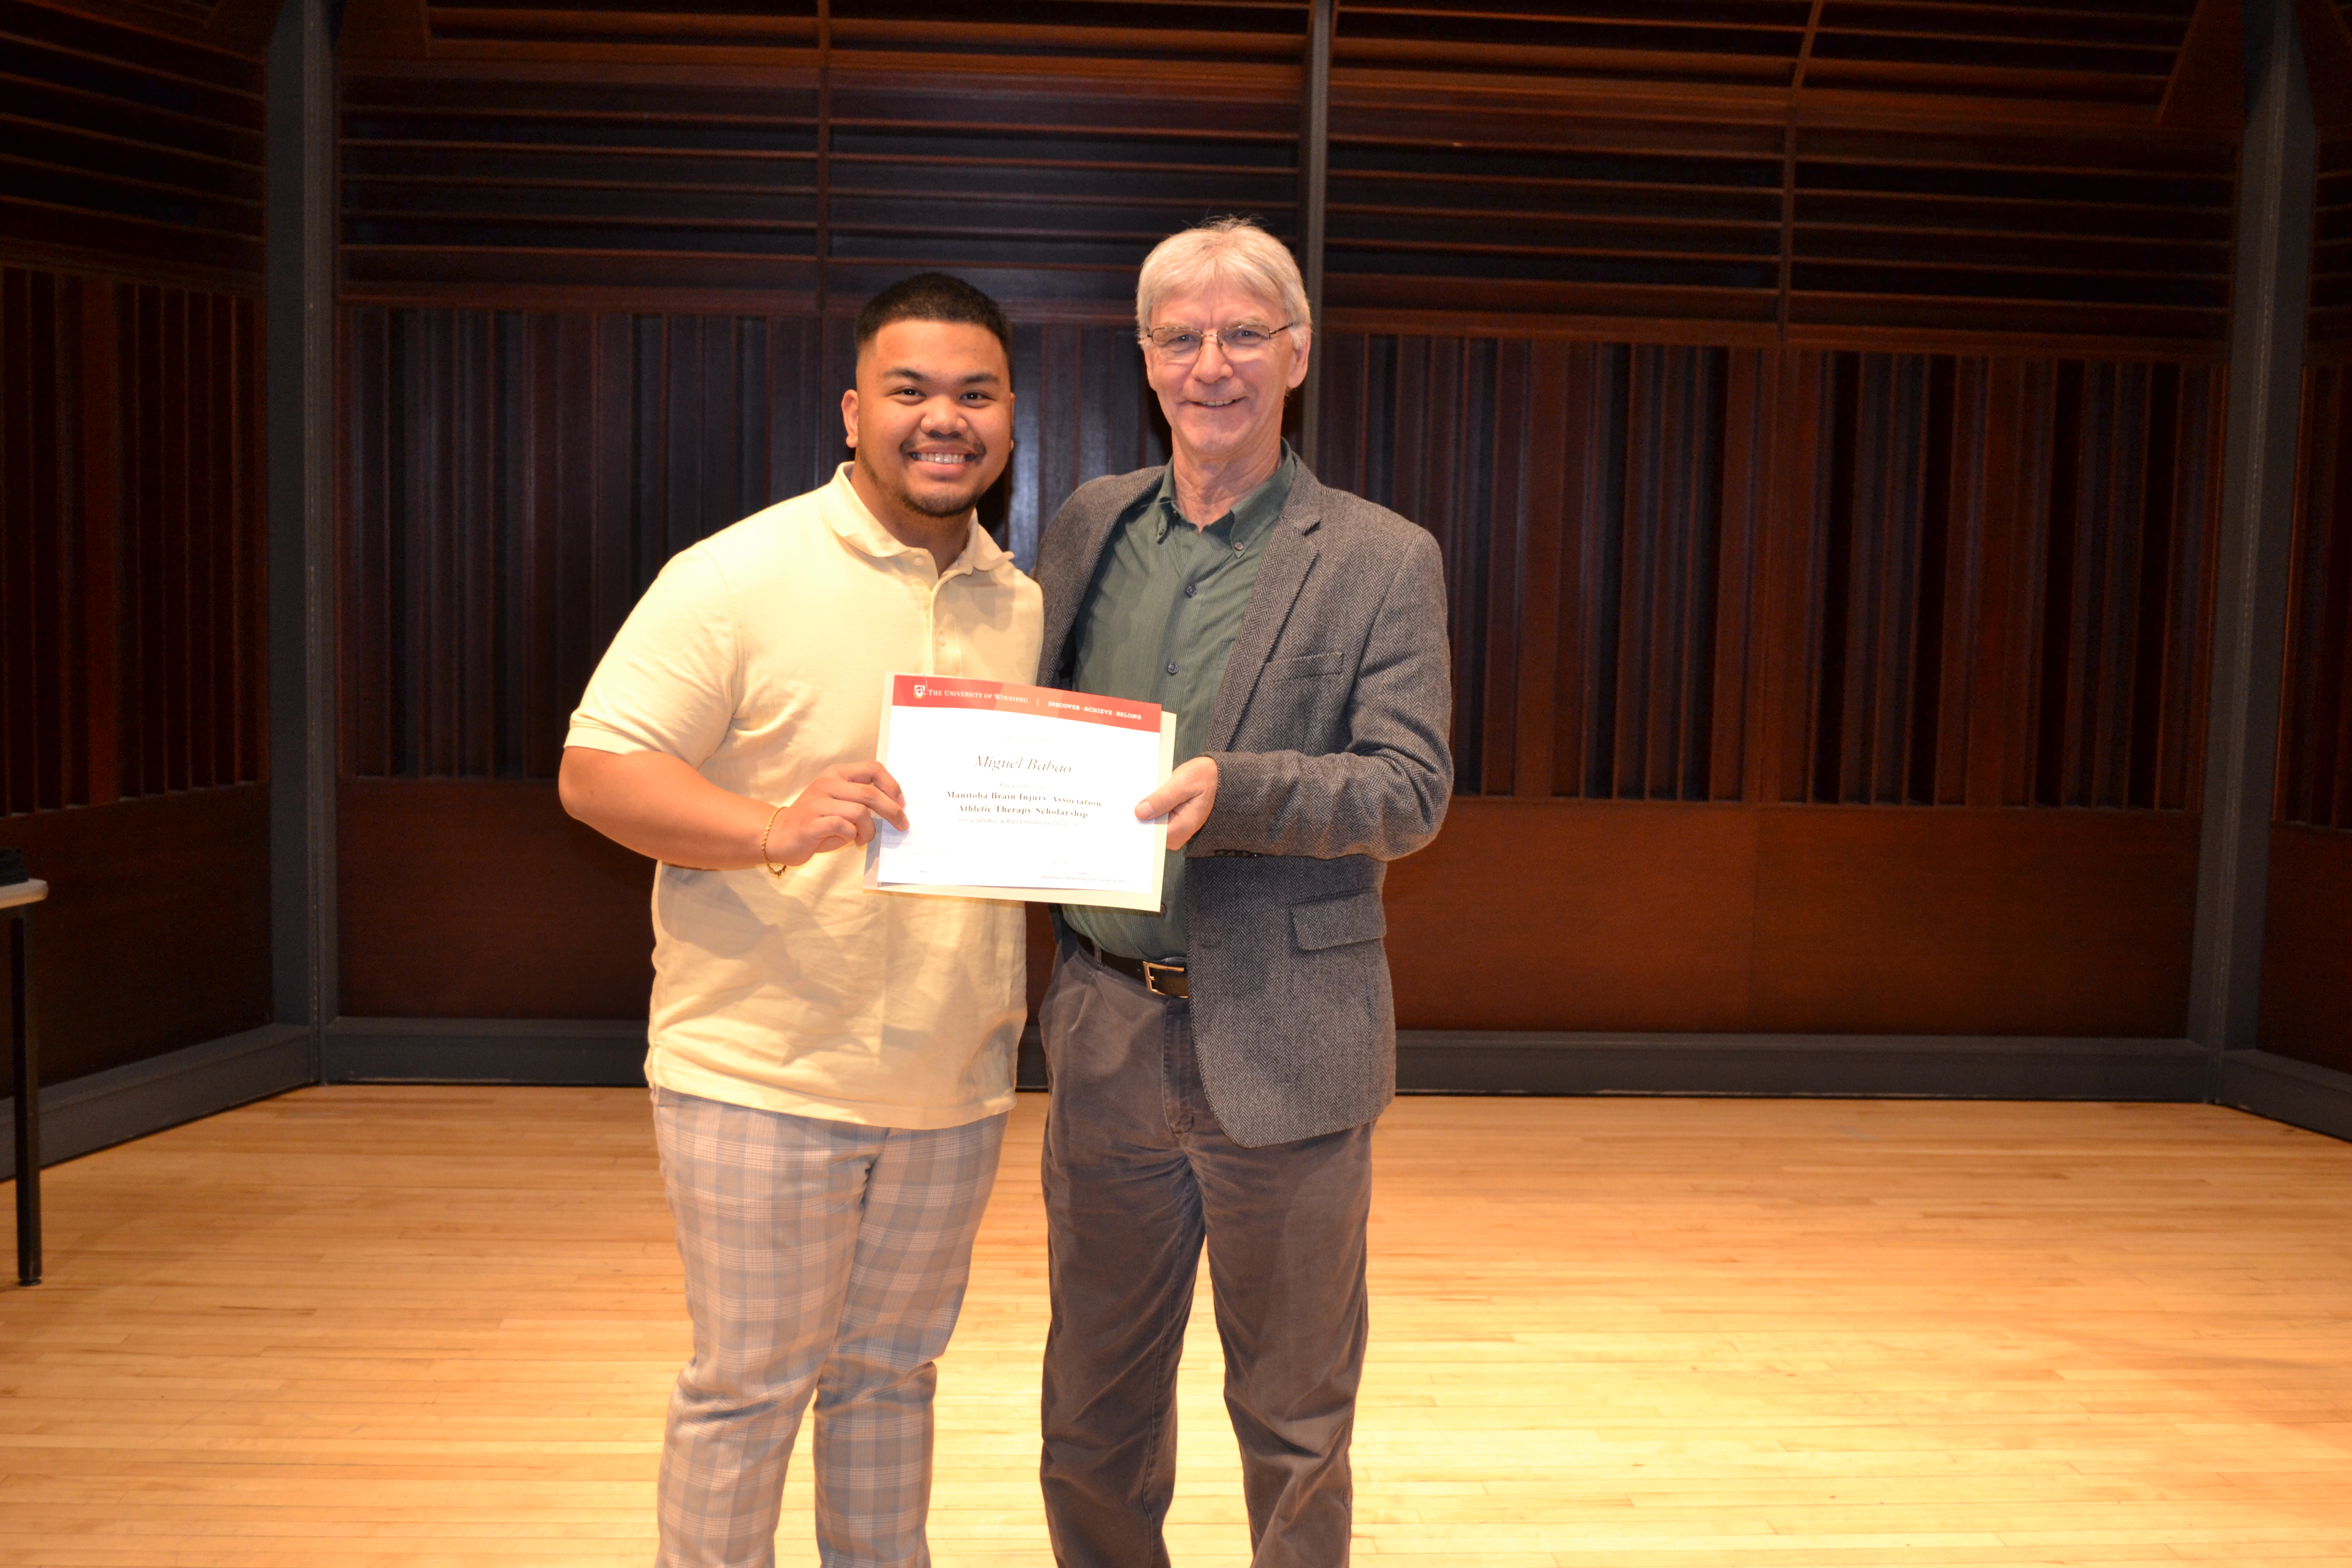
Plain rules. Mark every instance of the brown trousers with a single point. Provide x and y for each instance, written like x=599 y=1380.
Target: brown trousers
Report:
x=1137 y=1176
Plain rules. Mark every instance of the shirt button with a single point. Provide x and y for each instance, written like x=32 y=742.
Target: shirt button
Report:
x=1171 y=668
x=1190 y=589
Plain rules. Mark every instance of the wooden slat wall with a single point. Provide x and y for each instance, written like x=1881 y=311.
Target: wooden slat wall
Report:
x=467 y=180
x=127 y=144
x=1054 y=190
x=514 y=480
x=131 y=521
x=1988 y=576
x=2089 y=55
x=1819 y=407
x=2072 y=234
x=1997 y=568
x=132 y=524
x=458 y=180
x=2315 y=757
x=2073 y=231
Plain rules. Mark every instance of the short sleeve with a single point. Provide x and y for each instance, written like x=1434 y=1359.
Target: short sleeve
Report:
x=670 y=682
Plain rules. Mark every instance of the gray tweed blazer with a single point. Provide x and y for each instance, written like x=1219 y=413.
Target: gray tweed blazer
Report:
x=1329 y=732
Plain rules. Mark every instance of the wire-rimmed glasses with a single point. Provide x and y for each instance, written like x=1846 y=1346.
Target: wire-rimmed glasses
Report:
x=1183 y=345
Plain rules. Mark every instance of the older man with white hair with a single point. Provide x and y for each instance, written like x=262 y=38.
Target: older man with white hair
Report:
x=1217 y=1067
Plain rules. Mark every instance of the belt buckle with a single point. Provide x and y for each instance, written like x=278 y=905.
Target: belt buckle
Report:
x=1152 y=973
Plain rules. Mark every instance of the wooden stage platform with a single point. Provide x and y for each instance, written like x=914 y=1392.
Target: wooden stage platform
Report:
x=360 y=1327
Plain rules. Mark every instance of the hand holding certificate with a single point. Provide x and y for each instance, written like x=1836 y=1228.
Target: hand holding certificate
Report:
x=1021 y=792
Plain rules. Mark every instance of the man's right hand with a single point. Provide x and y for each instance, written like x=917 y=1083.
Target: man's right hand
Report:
x=836 y=811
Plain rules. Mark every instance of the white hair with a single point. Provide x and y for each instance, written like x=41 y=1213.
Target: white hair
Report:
x=1229 y=250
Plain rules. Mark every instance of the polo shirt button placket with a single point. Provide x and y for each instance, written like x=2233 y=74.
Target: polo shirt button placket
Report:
x=932 y=663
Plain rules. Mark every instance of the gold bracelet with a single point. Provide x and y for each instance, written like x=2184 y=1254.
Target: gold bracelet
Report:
x=773 y=869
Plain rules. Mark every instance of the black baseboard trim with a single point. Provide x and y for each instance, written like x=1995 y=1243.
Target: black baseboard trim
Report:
x=126 y=1102
x=103 y=1109
x=1436 y=1061
x=1429 y=1061
x=551 y=1051
x=2316 y=1098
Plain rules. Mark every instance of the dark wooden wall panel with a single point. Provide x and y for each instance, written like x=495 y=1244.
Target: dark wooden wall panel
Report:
x=156 y=931
x=1527 y=915
x=431 y=925
x=1524 y=915
x=1559 y=915
x=1974 y=921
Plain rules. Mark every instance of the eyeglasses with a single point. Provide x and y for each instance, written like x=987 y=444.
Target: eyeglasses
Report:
x=1182 y=345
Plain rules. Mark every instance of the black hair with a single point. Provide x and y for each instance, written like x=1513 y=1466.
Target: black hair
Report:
x=933 y=297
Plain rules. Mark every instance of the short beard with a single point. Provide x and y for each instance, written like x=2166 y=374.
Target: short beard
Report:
x=898 y=492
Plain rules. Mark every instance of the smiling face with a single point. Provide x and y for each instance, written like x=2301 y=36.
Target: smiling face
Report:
x=931 y=421
x=1221 y=410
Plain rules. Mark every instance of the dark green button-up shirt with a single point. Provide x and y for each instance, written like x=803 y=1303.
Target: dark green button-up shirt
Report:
x=1157 y=626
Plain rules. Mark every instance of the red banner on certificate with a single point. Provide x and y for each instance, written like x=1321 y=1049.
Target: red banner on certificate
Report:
x=1003 y=697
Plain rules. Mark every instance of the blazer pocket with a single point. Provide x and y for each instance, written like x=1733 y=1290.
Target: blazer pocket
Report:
x=1305 y=666
x=1335 y=922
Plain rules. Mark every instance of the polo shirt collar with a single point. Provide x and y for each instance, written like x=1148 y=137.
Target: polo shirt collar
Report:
x=858 y=528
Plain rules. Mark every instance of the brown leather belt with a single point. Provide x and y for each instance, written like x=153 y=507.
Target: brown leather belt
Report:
x=1160 y=979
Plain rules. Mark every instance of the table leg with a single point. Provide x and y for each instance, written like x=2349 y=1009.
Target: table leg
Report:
x=28 y=1087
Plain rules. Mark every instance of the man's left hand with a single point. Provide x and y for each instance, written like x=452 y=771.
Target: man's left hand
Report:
x=1186 y=799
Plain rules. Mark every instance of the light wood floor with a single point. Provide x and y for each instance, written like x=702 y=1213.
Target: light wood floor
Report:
x=354 y=1327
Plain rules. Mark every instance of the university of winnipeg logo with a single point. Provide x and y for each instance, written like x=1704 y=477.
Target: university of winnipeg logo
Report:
x=919 y=688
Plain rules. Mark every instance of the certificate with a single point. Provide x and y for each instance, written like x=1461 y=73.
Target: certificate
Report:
x=1021 y=791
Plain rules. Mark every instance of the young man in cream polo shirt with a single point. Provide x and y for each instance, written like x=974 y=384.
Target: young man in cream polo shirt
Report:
x=831 y=1068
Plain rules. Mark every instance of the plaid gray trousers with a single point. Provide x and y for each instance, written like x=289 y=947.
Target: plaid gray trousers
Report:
x=821 y=1257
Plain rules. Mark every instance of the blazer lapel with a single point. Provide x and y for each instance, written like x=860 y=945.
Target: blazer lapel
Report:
x=1290 y=552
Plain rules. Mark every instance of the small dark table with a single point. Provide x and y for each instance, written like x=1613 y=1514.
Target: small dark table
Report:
x=17 y=901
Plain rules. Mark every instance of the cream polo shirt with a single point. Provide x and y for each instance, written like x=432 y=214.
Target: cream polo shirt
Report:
x=758 y=655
